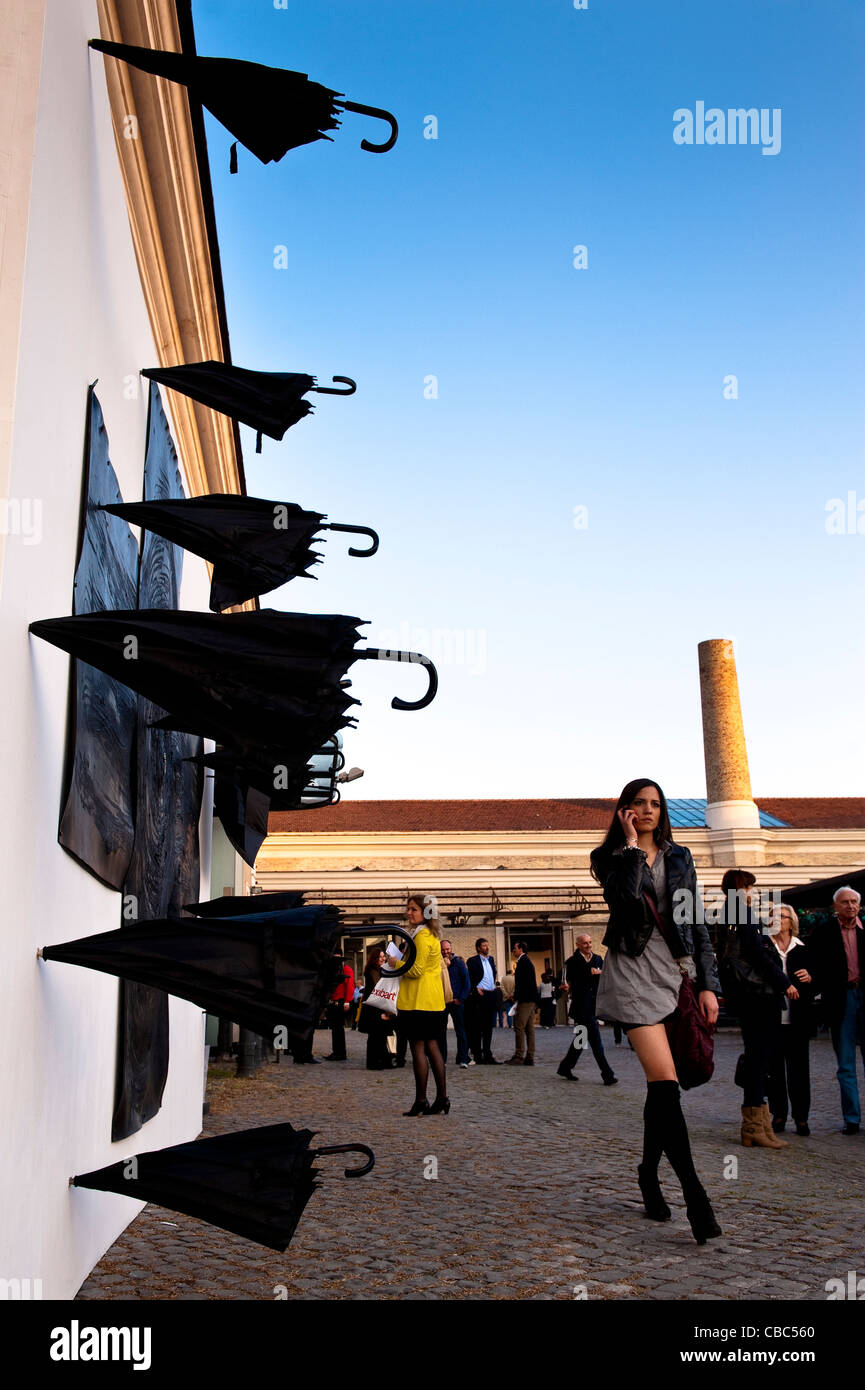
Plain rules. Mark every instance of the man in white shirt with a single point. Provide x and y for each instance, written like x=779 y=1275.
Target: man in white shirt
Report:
x=480 y=1010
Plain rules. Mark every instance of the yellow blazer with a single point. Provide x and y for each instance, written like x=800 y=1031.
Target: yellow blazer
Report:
x=421 y=986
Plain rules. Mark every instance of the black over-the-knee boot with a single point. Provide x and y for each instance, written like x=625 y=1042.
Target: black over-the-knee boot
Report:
x=653 y=1147
x=677 y=1147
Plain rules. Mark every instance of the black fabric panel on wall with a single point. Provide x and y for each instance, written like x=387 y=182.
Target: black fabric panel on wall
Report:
x=164 y=867
x=97 y=821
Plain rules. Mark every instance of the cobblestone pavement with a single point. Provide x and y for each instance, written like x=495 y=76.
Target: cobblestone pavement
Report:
x=535 y=1196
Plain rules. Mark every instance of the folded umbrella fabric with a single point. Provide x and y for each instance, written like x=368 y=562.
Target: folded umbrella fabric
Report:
x=262 y=970
x=254 y=1182
x=269 y=110
x=238 y=678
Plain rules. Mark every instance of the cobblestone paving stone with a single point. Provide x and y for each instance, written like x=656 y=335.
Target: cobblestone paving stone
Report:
x=535 y=1198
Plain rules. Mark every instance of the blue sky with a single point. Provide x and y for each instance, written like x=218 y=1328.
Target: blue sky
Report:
x=568 y=654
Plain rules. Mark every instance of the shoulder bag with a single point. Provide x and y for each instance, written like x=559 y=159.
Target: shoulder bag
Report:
x=690 y=1035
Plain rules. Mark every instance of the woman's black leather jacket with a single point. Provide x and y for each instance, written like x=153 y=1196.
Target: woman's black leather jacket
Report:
x=624 y=879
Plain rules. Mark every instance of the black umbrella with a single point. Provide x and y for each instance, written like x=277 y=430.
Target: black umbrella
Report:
x=269 y=110
x=254 y=1182
x=250 y=784
x=253 y=544
x=270 y=402
x=238 y=678
x=243 y=814
x=264 y=970
x=276 y=772
x=242 y=906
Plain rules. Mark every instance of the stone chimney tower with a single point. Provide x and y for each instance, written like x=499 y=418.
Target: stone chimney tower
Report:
x=730 y=806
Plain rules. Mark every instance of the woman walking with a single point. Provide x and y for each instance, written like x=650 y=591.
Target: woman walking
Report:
x=789 y=1078
x=421 y=1005
x=374 y=1022
x=640 y=869
x=755 y=984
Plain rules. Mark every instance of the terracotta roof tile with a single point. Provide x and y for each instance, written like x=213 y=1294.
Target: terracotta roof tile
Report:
x=807 y=813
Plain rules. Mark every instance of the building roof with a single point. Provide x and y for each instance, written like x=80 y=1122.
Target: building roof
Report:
x=418 y=817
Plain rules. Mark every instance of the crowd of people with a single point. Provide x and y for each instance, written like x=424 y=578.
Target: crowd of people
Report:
x=656 y=959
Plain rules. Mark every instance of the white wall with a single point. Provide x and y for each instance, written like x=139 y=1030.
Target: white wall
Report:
x=83 y=318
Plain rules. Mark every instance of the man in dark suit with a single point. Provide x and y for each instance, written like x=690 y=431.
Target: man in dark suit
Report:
x=526 y=999
x=479 y=1011
x=582 y=973
x=837 y=950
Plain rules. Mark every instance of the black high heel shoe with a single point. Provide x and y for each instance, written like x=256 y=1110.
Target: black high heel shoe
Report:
x=440 y=1106
x=420 y=1107
x=703 y=1224
x=653 y=1198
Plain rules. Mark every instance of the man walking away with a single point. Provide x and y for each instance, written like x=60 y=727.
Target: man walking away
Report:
x=526 y=997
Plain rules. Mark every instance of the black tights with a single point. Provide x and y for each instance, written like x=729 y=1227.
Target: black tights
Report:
x=665 y=1132
x=419 y=1053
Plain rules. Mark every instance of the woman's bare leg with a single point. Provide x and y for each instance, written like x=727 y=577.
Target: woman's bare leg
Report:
x=653 y=1051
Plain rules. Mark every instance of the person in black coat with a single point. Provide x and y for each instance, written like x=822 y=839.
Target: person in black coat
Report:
x=756 y=985
x=480 y=1005
x=837 y=950
x=526 y=1000
x=582 y=972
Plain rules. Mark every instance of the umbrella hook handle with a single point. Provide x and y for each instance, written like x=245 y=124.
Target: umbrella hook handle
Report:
x=349 y=1149
x=385 y=654
x=356 y=531
x=332 y=391
x=408 y=959
x=379 y=114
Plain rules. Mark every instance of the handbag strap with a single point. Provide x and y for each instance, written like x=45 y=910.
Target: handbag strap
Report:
x=663 y=929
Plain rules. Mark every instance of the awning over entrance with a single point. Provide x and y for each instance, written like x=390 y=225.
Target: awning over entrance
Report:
x=458 y=906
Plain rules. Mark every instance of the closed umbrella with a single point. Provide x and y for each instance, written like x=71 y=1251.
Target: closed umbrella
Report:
x=263 y=970
x=254 y=545
x=254 y=1182
x=238 y=678
x=269 y=402
x=238 y=905
x=269 y=110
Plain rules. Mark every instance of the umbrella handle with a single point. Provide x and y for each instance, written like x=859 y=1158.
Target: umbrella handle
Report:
x=355 y=531
x=332 y=391
x=410 y=955
x=383 y=654
x=349 y=1149
x=379 y=114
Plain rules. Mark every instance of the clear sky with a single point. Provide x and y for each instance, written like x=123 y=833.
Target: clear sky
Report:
x=566 y=641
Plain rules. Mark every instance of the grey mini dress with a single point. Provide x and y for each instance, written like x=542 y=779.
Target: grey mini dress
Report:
x=636 y=990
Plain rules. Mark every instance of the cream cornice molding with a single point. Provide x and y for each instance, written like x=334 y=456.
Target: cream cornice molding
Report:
x=159 y=165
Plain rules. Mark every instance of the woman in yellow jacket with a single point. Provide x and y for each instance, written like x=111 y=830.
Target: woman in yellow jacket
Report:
x=421 y=1005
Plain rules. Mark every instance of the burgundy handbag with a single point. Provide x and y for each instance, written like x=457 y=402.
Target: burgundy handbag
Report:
x=691 y=1037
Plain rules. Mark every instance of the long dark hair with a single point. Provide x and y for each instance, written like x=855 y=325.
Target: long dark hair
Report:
x=372 y=955
x=616 y=835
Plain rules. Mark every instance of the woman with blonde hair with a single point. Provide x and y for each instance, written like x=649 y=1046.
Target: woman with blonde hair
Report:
x=789 y=1078
x=421 y=1005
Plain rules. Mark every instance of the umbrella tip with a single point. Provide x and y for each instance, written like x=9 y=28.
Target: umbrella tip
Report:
x=38 y=952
